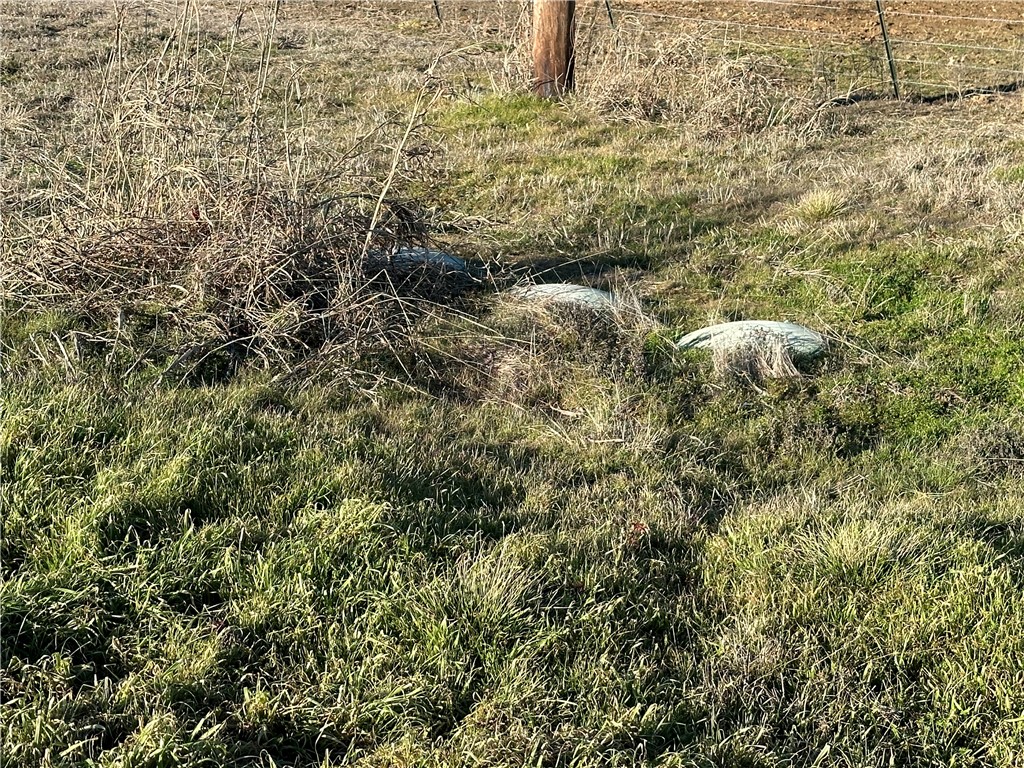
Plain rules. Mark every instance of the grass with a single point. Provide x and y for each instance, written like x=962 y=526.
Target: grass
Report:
x=422 y=527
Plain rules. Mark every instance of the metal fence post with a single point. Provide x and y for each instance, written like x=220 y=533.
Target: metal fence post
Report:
x=880 y=7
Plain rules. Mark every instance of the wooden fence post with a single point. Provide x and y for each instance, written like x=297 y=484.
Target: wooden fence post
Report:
x=554 y=56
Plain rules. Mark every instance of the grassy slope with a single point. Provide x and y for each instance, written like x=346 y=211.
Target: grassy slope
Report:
x=587 y=560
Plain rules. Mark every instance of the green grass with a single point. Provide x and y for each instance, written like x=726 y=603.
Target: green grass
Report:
x=535 y=539
x=216 y=572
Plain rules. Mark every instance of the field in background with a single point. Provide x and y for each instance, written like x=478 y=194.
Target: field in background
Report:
x=939 y=47
x=260 y=509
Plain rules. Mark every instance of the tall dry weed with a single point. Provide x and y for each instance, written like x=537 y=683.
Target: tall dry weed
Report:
x=194 y=199
x=683 y=78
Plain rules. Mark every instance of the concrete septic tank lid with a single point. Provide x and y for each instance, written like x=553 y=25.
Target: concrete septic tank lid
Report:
x=801 y=343
x=566 y=293
x=408 y=258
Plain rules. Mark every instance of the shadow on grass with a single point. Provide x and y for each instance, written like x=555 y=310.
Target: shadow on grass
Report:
x=632 y=235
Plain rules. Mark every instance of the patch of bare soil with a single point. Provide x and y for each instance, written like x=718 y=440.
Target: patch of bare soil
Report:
x=995 y=22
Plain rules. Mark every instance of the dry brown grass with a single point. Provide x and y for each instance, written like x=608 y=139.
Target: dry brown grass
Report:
x=753 y=363
x=264 y=275
x=683 y=78
x=184 y=197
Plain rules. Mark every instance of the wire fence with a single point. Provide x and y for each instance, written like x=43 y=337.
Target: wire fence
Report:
x=939 y=47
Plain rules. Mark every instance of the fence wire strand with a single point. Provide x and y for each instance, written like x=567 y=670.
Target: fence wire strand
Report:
x=724 y=22
x=963 y=46
x=843 y=36
x=918 y=56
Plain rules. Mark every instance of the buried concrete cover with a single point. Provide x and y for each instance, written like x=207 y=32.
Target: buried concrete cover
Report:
x=566 y=293
x=799 y=342
x=406 y=259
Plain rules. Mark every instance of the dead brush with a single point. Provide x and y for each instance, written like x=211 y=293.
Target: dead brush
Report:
x=192 y=200
x=531 y=350
x=646 y=78
x=271 y=279
x=579 y=368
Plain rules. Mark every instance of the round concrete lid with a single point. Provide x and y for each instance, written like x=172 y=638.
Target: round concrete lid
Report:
x=799 y=341
x=566 y=293
x=411 y=257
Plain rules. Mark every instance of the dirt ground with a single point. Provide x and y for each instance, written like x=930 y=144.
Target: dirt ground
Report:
x=998 y=23
x=939 y=45
x=991 y=22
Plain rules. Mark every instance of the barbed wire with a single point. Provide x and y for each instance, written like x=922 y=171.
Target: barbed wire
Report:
x=829 y=4
x=964 y=46
x=723 y=22
x=947 y=17
x=921 y=63
x=929 y=84
x=830 y=43
x=786 y=3
x=960 y=65
x=866 y=6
